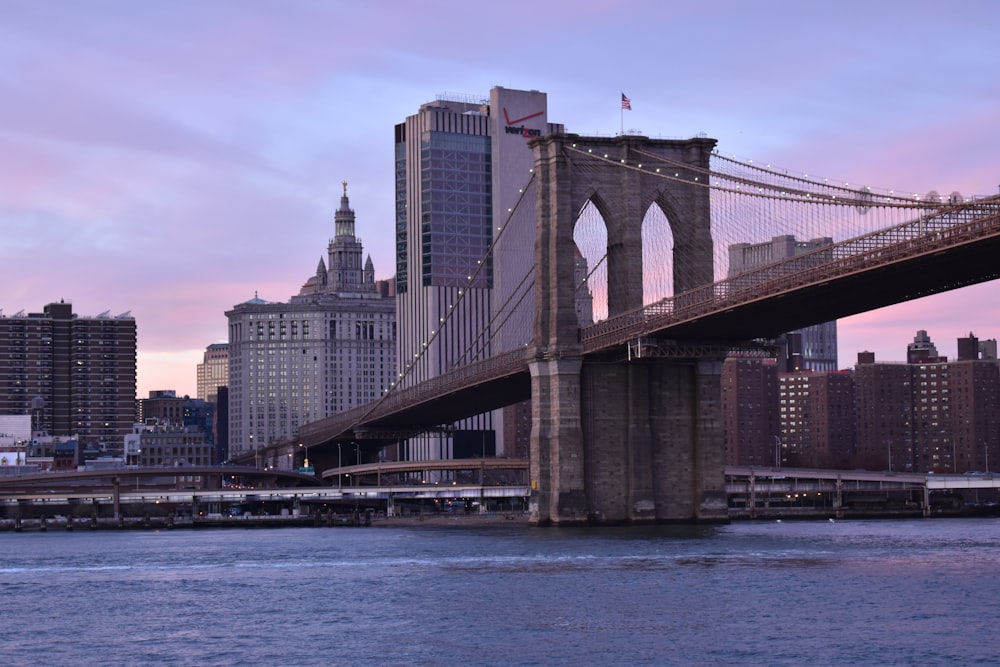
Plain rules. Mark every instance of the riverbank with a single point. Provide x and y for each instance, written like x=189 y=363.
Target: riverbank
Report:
x=62 y=523
x=370 y=520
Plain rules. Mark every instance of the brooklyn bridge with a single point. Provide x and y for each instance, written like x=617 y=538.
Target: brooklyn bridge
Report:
x=625 y=410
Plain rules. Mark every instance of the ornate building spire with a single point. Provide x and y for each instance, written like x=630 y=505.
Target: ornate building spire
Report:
x=345 y=271
x=344 y=218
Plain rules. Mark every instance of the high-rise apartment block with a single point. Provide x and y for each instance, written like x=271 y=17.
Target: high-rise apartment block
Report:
x=816 y=419
x=461 y=166
x=330 y=348
x=74 y=375
x=883 y=415
x=750 y=412
x=810 y=348
x=926 y=415
x=213 y=372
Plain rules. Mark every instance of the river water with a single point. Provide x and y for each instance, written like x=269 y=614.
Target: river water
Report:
x=914 y=592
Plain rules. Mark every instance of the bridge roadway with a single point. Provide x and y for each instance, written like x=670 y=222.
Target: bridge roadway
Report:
x=488 y=480
x=44 y=480
x=781 y=489
x=862 y=479
x=429 y=470
x=934 y=254
x=315 y=494
x=754 y=490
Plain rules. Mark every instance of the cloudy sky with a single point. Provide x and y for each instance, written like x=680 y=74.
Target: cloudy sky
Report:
x=173 y=158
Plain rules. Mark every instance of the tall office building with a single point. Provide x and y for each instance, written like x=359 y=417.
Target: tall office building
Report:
x=810 y=348
x=461 y=166
x=213 y=371
x=332 y=347
x=74 y=375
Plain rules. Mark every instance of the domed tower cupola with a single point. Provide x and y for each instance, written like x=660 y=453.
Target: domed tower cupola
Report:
x=344 y=268
x=344 y=217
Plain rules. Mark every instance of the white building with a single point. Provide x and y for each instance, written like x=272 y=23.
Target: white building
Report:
x=15 y=430
x=15 y=436
x=330 y=348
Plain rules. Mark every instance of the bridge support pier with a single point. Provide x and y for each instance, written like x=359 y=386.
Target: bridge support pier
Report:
x=556 y=463
x=627 y=442
x=654 y=440
x=620 y=441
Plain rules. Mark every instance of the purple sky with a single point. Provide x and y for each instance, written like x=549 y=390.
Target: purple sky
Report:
x=172 y=158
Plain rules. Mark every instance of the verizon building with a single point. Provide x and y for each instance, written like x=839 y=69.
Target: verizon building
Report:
x=461 y=165
x=74 y=375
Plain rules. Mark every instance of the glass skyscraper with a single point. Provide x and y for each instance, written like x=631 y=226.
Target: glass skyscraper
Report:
x=460 y=165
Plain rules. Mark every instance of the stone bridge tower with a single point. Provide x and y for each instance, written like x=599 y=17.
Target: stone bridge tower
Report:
x=617 y=441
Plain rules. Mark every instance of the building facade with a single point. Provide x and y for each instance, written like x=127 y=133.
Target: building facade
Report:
x=213 y=371
x=975 y=414
x=810 y=348
x=330 y=348
x=165 y=407
x=883 y=415
x=162 y=405
x=165 y=444
x=926 y=415
x=750 y=412
x=74 y=375
x=816 y=419
x=461 y=166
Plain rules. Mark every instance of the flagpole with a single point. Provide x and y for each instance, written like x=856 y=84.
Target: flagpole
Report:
x=626 y=104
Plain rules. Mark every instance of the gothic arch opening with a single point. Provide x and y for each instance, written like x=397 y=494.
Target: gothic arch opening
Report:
x=657 y=256
x=590 y=275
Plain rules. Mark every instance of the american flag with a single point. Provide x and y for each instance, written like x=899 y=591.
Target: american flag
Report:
x=626 y=102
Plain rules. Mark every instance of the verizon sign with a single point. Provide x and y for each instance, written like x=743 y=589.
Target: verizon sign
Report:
x=516 y=125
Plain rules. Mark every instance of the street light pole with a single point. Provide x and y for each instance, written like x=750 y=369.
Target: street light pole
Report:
x=357 y=458
x=340 y=476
